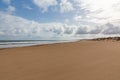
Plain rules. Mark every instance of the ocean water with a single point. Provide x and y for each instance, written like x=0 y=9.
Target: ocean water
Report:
x=22 y=43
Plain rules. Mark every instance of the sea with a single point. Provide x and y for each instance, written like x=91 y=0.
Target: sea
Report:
x=23 y=43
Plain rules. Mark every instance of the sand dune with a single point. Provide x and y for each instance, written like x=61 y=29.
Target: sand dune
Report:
x=83 y=60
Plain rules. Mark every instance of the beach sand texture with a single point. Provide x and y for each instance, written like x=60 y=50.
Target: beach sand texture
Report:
x=82 y=60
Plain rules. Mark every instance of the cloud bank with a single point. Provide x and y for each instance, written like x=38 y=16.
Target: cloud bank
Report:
x=100 y=11
x=17 y=27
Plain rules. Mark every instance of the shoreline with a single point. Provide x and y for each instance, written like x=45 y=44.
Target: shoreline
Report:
x=94 y=39
x=41 y=44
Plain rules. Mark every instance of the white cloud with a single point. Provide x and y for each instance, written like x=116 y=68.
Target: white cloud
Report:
x=100 y=11
x=66 y=6
x=17 y=27
x=10 y=9
x=27 y=7
x=66 y=20
x=77 y=18
x=7 y=1
x=20 y=28
x=45 y=4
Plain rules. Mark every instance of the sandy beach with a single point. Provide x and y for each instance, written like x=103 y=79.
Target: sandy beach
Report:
x=82 y=60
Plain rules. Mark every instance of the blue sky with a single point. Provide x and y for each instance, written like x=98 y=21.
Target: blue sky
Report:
x=58 y=19
x=28 y=10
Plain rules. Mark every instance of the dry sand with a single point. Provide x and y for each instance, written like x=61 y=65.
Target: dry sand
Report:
x=83 y=60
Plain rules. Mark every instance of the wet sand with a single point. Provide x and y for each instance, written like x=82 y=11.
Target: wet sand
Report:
x=83 y=60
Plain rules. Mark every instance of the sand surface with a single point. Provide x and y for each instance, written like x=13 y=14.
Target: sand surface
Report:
x=83 y=60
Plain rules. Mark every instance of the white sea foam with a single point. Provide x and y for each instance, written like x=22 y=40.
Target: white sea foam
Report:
x=10 y=44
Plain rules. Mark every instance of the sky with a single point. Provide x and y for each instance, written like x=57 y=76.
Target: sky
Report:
x=58 y=19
